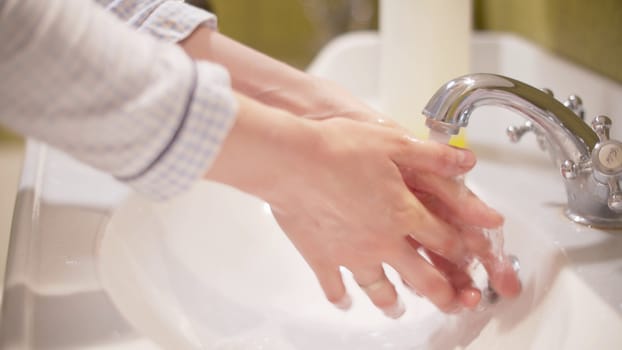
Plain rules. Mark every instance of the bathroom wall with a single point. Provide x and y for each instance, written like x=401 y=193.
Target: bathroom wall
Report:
x=586 y=32
x=292 y=30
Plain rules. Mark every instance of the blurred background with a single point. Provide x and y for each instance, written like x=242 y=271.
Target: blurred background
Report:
x=586 y=32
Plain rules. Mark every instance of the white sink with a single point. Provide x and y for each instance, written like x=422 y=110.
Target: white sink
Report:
x=212 y=270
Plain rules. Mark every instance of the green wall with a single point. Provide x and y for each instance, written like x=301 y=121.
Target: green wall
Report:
x=290 y=30
x=586 y=32
x=279 y=28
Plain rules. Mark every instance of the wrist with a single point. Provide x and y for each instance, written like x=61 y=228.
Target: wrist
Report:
x=266 y=151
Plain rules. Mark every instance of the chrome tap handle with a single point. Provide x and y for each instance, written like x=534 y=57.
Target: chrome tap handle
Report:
x=615 y=195
x=602 y=125
x=515 y=133
x=607 y=162
x=575 y=104
x=570 y=170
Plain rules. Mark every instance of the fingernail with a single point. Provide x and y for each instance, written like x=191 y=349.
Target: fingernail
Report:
x=344 y=303
x=396 y=310
x=466 y=158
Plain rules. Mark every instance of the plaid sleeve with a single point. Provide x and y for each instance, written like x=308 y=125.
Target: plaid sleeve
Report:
x=188 y=153
x=75 y=77
x=169 y=20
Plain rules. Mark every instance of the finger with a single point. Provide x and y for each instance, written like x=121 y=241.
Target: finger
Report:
x=473 y=237
x=331 y=281
x=462 y=203
x=424 y=278
x=456 y=274
x=498 y=266
x=468 y=295
x=434 y=234
x=502 y=276
x=374 y=282
x=440 y=159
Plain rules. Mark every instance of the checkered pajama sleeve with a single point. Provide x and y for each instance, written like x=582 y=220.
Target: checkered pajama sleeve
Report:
x=169 y=20
x=139 y=108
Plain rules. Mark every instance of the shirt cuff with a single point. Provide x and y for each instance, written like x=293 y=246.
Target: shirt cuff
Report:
x=209 y=116
x=174 y=21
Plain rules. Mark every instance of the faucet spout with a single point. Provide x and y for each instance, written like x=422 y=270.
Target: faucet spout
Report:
x=590 y=162
x=452 y=105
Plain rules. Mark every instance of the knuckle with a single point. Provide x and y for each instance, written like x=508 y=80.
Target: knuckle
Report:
x=446 y=158
x=402 y=145
x=402 y=142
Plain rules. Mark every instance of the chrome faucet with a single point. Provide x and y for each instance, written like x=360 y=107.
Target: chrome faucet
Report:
x=590 y=162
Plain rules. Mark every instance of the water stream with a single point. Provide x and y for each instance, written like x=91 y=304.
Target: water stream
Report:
x=476 y=269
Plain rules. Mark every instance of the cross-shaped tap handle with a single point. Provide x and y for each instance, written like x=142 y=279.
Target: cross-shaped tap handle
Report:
x=601 y=126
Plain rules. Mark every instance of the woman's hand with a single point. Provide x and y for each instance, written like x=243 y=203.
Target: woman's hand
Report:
x=337 y=189
x=279 y=85
x=353 y=209
x=447 y=197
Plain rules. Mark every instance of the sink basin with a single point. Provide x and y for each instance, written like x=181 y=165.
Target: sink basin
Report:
x=212 y=269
